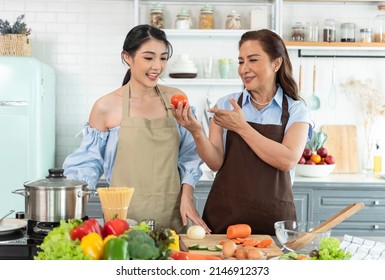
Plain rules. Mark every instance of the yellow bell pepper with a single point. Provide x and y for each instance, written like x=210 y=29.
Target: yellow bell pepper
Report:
x=92 y=245
x=174 y=245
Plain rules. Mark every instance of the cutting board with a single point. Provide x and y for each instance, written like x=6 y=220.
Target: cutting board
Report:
x=342 y=144
x=214 y=239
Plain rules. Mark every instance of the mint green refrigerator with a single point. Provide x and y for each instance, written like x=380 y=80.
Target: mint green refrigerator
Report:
x=27 y=125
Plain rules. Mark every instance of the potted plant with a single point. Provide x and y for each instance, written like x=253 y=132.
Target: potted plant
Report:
x=14 y=39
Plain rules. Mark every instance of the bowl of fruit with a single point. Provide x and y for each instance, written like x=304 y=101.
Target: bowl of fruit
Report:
x=315 y=160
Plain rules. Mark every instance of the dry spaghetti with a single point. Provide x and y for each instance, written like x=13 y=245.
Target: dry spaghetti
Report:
x=115 y=201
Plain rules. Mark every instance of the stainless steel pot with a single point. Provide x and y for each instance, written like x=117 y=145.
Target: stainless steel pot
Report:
x=55 y=198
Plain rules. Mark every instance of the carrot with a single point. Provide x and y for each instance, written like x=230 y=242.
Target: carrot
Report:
x=193 y=256
x=265 y=243
x=238 y=231
x=250 y=242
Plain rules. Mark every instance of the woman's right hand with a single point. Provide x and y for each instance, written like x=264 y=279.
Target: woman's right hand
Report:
x=185 y=118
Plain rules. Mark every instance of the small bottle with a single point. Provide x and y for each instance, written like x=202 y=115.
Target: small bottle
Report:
x=377 y=160
x=157 y=16
x=348 y=32
x=329 y=30
x=183 y=20
x=366 y=35
x=206 y=18
x=233 y=21
x=379 y=23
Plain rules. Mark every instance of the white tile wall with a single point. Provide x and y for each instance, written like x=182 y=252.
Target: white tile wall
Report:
x=82 y=40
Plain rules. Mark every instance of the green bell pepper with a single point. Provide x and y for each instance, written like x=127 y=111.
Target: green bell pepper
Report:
x=116 y=249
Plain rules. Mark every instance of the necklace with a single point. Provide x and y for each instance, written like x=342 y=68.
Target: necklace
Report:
x=260 y=104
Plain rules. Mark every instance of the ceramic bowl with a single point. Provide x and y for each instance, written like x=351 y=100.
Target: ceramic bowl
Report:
x=308 y=170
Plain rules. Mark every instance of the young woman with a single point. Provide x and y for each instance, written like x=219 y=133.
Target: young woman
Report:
x=256 y=137
x=133 y=138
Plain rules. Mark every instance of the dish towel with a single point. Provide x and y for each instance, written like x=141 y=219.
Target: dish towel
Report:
x=363 y=249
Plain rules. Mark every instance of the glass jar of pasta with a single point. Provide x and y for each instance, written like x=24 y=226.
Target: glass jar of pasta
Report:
x=206 y=18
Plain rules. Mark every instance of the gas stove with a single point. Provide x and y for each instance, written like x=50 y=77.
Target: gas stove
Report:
x=22 y=243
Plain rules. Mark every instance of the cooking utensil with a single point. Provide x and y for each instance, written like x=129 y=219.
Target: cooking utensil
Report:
x=6 y=215
x=332 y=98
x=55 y=198
x=314 y=102
x=300 y=81
x=341 y=216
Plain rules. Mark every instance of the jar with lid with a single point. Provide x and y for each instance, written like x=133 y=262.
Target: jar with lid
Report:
x=298 y=32
x=233 y=21
x=366 y=35
x=379 y=24
x=329 y=32
x=206 y=18
x=157 y=16
x=183 y=20
x=348 y=32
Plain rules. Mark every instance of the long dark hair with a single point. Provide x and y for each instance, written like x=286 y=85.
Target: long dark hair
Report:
x=273 y=45
x=139 y=35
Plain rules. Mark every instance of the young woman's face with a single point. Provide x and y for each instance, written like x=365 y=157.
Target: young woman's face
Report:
x=149 y=62
x=255 y=67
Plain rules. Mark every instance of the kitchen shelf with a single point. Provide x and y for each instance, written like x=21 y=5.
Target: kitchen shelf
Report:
x=204 y=33
x=337 y=49
x=201 y=82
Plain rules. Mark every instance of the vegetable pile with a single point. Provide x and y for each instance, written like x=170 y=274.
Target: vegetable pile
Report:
x=88 y=240
x=328 y=249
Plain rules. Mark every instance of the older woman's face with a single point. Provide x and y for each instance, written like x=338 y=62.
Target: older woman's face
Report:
x=255 y=67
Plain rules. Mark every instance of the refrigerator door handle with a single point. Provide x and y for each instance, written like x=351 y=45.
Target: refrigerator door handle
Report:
x=13 y=103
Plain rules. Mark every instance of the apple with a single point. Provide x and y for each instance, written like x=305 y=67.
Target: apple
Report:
x=323 y=152
x=302 y=160
x=307 y=153
x=310 y=162
x=322 y=162
x=329 y=159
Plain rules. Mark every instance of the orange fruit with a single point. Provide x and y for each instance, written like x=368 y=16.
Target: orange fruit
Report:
x=315 y=158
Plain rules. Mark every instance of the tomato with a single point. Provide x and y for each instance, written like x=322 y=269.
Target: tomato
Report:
x=180 y=256
x=176 y=98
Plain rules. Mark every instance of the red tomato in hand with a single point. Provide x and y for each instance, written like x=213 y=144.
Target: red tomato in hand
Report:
x=176 y=98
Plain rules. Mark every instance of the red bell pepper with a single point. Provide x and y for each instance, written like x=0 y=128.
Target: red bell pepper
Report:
x=88 y=226
x=116 y=226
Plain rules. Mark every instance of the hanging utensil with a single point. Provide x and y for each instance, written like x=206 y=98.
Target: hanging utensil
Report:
x=332 y=98
x=300 y=93
x=307 y=237
x=314 y=102
x=6 y=215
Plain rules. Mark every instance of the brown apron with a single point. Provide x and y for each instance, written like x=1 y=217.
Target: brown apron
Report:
x=147 y=160
x=248 y=190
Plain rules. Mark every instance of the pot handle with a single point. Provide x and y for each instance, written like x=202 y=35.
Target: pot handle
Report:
x=82 y=193
x=22 y=192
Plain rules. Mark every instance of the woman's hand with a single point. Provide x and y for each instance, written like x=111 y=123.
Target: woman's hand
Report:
x=185 y=118
x=188 y=210
x=229 y=119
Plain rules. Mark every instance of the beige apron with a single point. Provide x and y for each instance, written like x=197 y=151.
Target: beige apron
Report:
x=147 y=160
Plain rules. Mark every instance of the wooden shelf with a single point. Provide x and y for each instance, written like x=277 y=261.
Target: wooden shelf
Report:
x=334 y=44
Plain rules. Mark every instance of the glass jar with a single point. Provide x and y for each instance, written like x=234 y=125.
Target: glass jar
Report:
x=298 y=32
x=348 y=32
x=379 y=24
x=206 y=18
x=183 y=20
x=157 y=16
x=312 y=32
x=329 y=33
x=233 y=21
x=366 y=35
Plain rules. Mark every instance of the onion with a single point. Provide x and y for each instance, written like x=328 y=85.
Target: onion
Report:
x=196 y=232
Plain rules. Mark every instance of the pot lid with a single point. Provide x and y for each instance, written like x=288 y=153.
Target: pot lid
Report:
x=55 y=179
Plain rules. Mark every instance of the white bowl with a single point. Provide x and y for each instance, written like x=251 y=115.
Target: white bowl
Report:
x=308 y=170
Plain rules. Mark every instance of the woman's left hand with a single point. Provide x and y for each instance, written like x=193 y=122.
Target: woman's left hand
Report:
x=229 y=119
x=185 y=118
x=188 y=210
